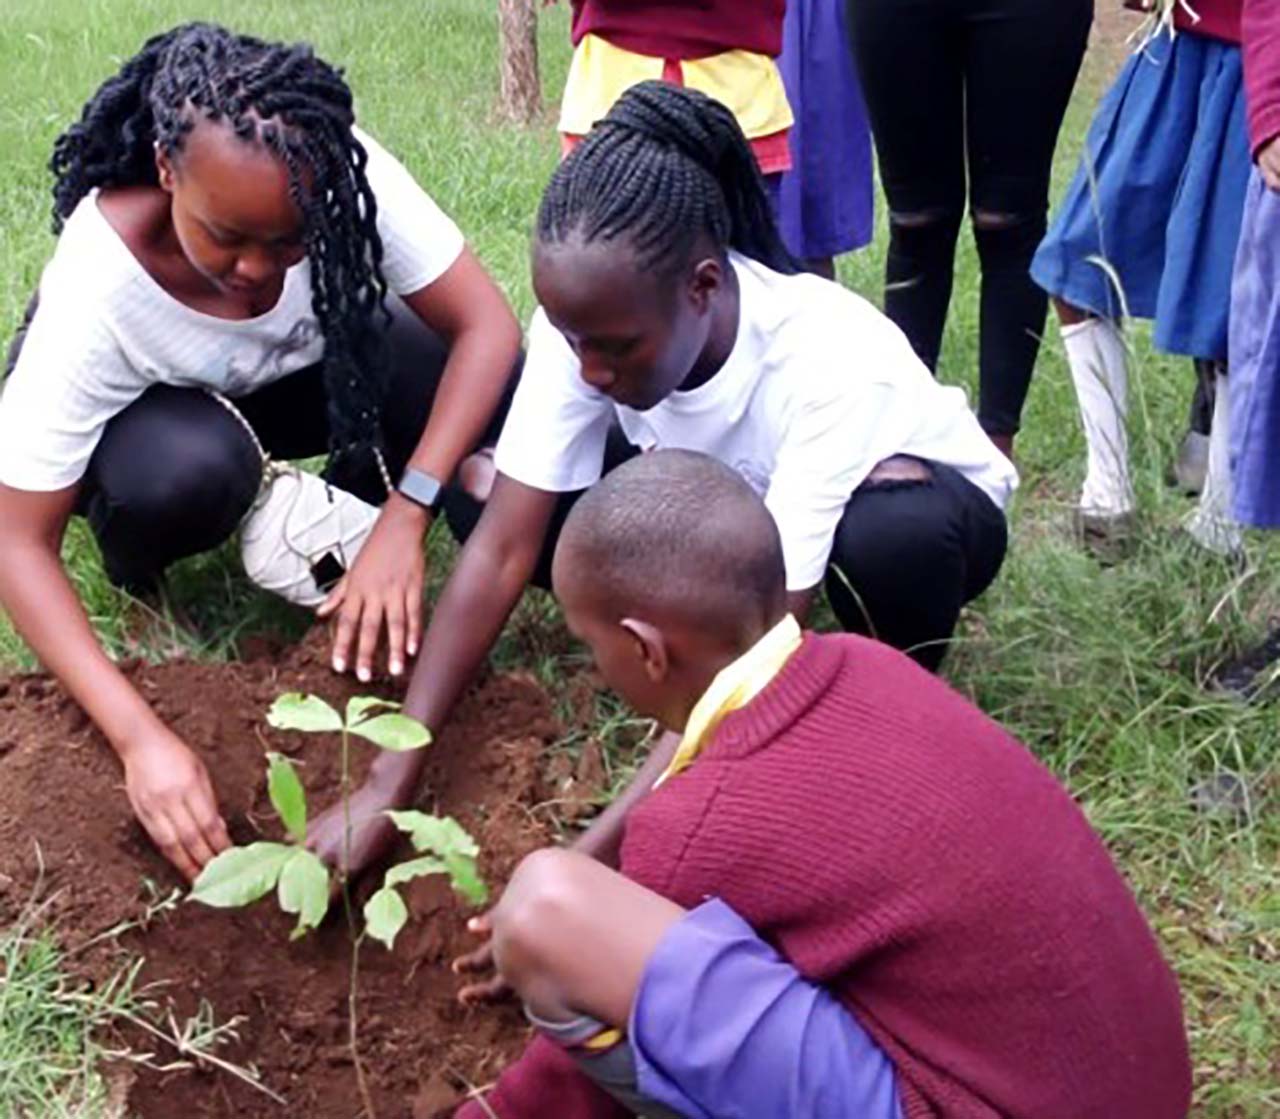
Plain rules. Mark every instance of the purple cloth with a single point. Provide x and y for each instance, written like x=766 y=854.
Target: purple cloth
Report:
x=825 y=202
x=1254 y=360
x=723 y=1028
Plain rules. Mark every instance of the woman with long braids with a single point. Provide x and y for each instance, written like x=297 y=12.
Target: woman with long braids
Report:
x=671 y=309
x=239 y=272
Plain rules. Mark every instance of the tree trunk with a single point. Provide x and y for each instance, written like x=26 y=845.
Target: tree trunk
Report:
x=518 y=31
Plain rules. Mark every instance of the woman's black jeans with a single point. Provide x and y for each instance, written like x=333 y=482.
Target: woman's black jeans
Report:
x=978 y=86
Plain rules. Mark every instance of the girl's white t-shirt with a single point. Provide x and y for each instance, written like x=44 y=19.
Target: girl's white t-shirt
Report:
x=105 y=330
x=818 y=389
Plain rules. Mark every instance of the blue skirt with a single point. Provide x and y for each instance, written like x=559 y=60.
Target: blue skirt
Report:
x=1254 y=380
x=1158 y=196
x=824 y=203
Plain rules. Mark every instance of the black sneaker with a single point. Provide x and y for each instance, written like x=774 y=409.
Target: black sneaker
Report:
x=1247 y=676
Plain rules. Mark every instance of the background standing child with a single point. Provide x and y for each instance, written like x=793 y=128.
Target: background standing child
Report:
x=672 y=317
x=1158 y=197
x=225 y=228
x=724 y=48
x=852 y=894
x=1255 y=312
x=825 y=201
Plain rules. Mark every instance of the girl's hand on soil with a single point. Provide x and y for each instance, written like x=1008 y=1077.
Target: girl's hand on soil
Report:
x=1269 y=163
x=481 y=960
x=172 y=796
x=384 y=584
x=372 y=834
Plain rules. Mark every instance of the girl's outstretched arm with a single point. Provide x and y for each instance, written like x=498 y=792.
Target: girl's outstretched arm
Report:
x=491 y=574
x=167 y=784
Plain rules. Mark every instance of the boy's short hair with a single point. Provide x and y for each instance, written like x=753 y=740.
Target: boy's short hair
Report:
x=677 y=534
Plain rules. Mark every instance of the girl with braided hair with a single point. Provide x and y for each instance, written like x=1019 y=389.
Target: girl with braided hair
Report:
x=673 y=316
x=240 y=272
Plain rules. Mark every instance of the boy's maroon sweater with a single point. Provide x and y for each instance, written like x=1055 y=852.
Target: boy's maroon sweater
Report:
x=1262 y=70
x=1219 y=19
x=683 y=29
x=902 y=850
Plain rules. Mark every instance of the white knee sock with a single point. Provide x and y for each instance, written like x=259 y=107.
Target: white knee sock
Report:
x=1211 y=522
x=1097 y=359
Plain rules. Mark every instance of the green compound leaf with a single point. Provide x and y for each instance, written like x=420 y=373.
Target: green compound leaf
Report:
x=304 y=890
x=241 y=875
x=441 y=835
x=446 y=838
x=309 y=713
x=287 y=796
x=415 y=868
x=396 y=733
x=385 y=915
x=358 y=707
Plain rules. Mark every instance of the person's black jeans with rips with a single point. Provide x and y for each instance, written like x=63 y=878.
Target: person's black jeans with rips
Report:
x=965 y=99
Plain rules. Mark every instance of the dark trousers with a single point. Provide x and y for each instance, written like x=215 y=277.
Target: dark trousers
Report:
x=174 y=473
x=982 y=85
x=908 y=555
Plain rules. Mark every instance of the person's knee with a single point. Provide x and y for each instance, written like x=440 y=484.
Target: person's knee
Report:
x=208 y=482
x=544 y=901
x=1008 y=237
x=925 y=231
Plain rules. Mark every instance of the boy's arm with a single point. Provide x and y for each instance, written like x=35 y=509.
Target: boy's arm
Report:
x=543 y=1082
x=602 y=841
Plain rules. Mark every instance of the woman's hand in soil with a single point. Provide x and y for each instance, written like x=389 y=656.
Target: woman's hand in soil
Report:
x=384 y=585
x=1269 y=163
x=172 y=796
x=480 y=962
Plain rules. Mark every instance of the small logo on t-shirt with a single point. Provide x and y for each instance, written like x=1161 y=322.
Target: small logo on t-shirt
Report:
x=754 y=474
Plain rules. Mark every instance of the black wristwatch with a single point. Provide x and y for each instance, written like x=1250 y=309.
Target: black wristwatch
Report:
x=422 y=489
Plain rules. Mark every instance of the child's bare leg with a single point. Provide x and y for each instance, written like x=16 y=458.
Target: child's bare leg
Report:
x=572 y=937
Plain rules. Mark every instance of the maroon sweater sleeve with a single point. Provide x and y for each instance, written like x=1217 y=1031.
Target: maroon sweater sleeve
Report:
x=545 y=1082
x=1261 y=25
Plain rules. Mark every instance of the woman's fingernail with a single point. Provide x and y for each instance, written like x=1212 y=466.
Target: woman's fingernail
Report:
x=339 y=665
x=413 y=649
x=364 y=674
x=396 y=668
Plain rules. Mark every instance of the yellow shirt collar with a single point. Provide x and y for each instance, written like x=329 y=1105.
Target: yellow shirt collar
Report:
x=735 y=686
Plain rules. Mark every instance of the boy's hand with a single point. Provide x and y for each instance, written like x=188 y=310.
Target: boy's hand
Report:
x=1269 y=163
x=172 y=796
x=481 y=960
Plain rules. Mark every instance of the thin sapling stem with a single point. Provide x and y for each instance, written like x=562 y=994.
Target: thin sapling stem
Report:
x=344 y=881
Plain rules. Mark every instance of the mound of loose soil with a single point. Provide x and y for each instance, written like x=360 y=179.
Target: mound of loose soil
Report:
x=61 y=788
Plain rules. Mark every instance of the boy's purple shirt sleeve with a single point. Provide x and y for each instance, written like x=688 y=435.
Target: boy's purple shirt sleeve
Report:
x=1261 y=34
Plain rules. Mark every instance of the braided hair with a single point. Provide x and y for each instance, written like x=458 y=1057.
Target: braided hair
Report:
x=299 y=107
x=667 y=165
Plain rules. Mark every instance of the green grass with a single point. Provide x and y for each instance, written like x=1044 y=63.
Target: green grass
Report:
x=1099 y=671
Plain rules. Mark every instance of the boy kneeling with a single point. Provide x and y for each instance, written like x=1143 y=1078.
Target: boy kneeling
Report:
x=851 y=894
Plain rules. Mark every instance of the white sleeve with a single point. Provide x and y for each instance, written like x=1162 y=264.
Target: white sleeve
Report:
x=69 y=380
x=830 y=446
x=555 y=434
x=420 y=241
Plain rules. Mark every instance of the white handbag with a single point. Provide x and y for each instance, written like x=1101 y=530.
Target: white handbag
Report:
x=301 y=534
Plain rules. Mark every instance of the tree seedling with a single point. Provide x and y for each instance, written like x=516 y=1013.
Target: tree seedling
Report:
x=241 y=875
